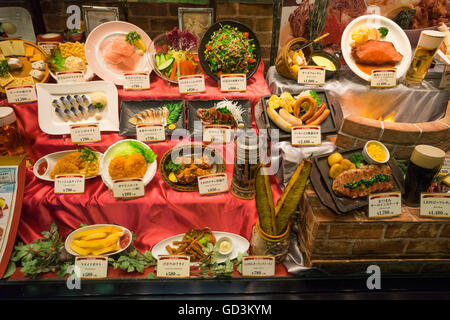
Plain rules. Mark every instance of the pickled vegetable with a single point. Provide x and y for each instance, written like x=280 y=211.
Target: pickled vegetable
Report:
x=264 y=202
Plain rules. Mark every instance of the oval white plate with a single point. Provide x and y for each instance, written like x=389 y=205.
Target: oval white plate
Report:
x=50 y=123
x=396 y=35
x=104 y=165
x=69 y=238
x=240 y=244
x=107 y=30
x=52 y=159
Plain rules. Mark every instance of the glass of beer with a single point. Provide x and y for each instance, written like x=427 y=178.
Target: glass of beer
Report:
x=425 y=163
x=428 y=44
x=11 y=142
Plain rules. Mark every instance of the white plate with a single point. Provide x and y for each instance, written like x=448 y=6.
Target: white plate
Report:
x=69 y=238
x=21 y=18
x=396 y=35
x=108 y=30
x=52 y=159
x=51 y=123
x=240 y=245
x=88 y=75
x=104 y=165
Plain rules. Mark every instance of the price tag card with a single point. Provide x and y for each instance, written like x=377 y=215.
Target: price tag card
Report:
x=85 y=133
x=92 y=267
x=173 y=267
x=306 y=136
x=48 y=46
x=70 y=76
x=383 y=205
x=69 y=183
x=436 y=205
x=233 y=82
x=445 y=170
x=213 y=183
x=150 y=132
x=217 y=133
x=128 y=188
x=191 y=84
x=312 y=75
x=258 y=266
x=21 y=94
x=445 y=80
x=383 y=78
x=136 y=81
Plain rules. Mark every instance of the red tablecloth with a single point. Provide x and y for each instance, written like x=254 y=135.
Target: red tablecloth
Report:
x=163 y=212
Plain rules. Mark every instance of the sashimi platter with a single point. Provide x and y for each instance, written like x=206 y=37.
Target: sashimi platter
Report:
x=118 y=47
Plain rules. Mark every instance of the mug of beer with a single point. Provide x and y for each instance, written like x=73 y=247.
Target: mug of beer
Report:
x=428 y=44
x=424 y=165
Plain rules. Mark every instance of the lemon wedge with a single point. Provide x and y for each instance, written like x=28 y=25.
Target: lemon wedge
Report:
x=140 y=45
x=172 y=177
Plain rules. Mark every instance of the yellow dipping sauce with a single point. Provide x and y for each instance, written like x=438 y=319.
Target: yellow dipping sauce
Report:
x=376 y=151
x=324 y=62
x=224 y=246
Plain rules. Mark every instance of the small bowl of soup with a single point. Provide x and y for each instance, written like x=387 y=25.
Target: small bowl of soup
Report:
x=328 y=61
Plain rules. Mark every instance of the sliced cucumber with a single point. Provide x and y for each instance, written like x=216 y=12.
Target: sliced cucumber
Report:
x=157 y=60
x=166 y=64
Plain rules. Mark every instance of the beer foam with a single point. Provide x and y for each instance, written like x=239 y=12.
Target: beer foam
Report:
x=427 y=157
x=430 y=39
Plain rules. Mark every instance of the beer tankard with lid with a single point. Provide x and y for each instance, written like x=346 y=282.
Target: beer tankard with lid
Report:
x=425 y=163
x=428 y=45
x=11 y=143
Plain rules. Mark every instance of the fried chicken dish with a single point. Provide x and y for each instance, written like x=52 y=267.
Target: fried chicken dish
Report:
x=190 y=169
x=120 y=167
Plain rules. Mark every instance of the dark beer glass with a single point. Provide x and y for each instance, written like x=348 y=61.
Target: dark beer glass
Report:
x=425 y=163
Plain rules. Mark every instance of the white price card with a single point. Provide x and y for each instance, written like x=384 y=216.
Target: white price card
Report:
x=383 y=78
x=311 y=75
x=48 y=46
x=258 y=266
x=92 y=267
x=435 y=205
x=306 y=136
x=233 y=82
x=128 y=188
x=192 y=83
x=445 y=170
x=69 y=183
x=217 y=133
x=70 y=76
x=21 y=94
x=445 y=80
x=384 y=205
x=173 y=266
x=136 y=81
x=150 y=132
x=85 y=133
x=213 y=183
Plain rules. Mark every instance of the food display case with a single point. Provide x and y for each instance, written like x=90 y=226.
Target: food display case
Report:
x=160 y=164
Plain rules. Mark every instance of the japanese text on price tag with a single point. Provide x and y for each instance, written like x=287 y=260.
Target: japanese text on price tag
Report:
x=192 y=83
x=311 y=75
x=70 y=76
x=150 y=132
x=383 y=78
x=128 y=188
x=383 y=205
x=136 y=81
x=217 y=133
x=445 y=170
x=214 y=183
x=173 y=266
x=48 y=46
x=258 y=266
x=92 y=267
x=306 y=136
x=233 y=82
x=85 y=133
x=435 y=205
x=21 y=94
x=69 y=183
